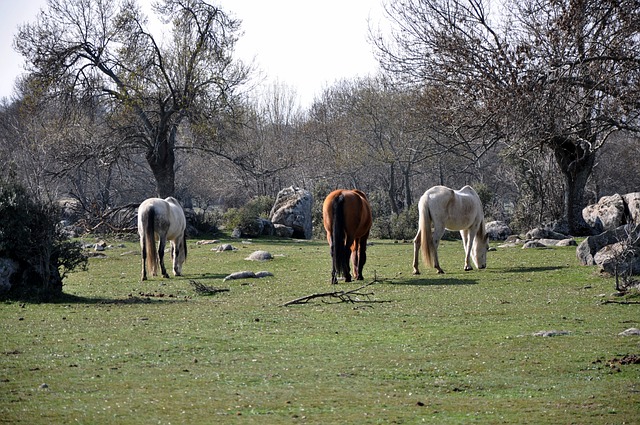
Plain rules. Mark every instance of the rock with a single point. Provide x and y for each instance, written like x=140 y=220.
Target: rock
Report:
x=544 y=233
x=283 y=231
x=240 y=275
x=498 y=230
x=607 y=214
x=618 y=258
x=533 y=244
x=207 y=242
x=268 y=229
x=592 y=244
x=632 y=201
x=551 y=333
x=224 y=247
x=292 y=208
x=630 y=332
x=260 y=256
x=558 y=242
x=247 y=275
x=567 y=242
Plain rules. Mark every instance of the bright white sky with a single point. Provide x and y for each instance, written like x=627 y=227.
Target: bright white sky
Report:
x=306 y=45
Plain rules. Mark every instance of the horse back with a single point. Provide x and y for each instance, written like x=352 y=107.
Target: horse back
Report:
x=357 y=212
x=356 y=209
x=456 y=209
x=168 y=216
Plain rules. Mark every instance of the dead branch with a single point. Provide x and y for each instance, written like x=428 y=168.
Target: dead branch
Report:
x=342 y=296
x=206 y=290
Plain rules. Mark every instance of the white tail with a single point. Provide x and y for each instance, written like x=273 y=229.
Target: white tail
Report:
x=426 y=238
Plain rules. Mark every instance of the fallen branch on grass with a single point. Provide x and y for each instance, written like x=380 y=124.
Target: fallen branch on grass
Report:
x=206 y=290
x=351 y=296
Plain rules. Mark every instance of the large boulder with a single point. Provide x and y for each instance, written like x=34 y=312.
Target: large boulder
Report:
x=607 y=214
x=292 y=208
x=619 y=258
x=589 y=247
x=632 y=201
x=498 y=230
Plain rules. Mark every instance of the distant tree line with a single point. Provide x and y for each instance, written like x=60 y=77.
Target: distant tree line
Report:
x=535 y=104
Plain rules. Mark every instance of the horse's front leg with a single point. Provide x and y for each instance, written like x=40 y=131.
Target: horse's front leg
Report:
x=161 y=245
x=467 y=238
x=416 y=252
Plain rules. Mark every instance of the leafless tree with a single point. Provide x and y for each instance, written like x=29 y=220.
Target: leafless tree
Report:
x=563 y=75
x=146 y=85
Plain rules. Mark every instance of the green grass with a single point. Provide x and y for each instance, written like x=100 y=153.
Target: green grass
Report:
x=445 y=349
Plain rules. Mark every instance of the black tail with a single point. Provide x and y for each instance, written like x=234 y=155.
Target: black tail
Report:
x=340 y=250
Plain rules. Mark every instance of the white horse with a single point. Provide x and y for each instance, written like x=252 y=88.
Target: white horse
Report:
x=162 y=219
x=450 y=209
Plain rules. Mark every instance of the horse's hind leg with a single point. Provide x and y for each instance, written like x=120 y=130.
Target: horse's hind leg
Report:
x=361 y=257
x=347 y=267
x=161 y=245
x=416 y=251
x=144 y=259
x=438 y=233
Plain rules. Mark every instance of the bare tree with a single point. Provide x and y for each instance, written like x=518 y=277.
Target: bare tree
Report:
x=146 y=85
x=564 y=75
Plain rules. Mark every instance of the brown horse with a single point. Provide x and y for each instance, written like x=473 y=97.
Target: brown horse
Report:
x=347 y=220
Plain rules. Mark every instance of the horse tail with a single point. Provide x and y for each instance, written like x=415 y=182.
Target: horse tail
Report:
x=150 y=241
x=340 y=252
x=426 y=238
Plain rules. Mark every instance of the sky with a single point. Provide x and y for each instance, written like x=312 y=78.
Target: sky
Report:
x=306 y=45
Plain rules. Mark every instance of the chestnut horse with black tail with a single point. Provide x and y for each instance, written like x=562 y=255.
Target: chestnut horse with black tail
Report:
x=162 y=219
x=347 y=220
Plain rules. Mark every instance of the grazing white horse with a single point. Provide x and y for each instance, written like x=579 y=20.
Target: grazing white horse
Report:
x=445 y=208
x=162 y=219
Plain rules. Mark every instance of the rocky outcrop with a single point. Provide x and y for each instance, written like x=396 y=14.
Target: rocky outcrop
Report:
x=292 y=208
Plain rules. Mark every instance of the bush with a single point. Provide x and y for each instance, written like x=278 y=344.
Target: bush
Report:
x=30 y=236
x=403 y=226
x=245 y=218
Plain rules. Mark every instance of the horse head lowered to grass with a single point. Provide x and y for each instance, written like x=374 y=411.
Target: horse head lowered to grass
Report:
x=347 y=219
x=162 y=219
x=445 y=208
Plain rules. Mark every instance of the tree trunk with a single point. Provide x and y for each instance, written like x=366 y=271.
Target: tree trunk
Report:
x=162 y=161
x=576 y=161
x=391 y=190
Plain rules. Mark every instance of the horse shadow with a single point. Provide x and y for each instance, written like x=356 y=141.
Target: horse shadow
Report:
x=532 y=269
x=439 y=280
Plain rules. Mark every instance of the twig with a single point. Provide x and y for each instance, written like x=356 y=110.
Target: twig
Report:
x=343 y=296
x=206 y=290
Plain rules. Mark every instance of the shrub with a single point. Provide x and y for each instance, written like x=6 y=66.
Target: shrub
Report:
x=30 y=235
x=244 y=218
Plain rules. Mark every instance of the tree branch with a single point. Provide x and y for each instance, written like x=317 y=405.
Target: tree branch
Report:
x=343 y=296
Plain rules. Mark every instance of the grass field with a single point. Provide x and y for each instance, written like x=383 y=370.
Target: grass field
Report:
x=446 y=349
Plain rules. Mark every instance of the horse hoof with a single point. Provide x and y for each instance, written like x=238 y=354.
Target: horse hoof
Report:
x=416 y=272
x=440 y=271
x=466 y=269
